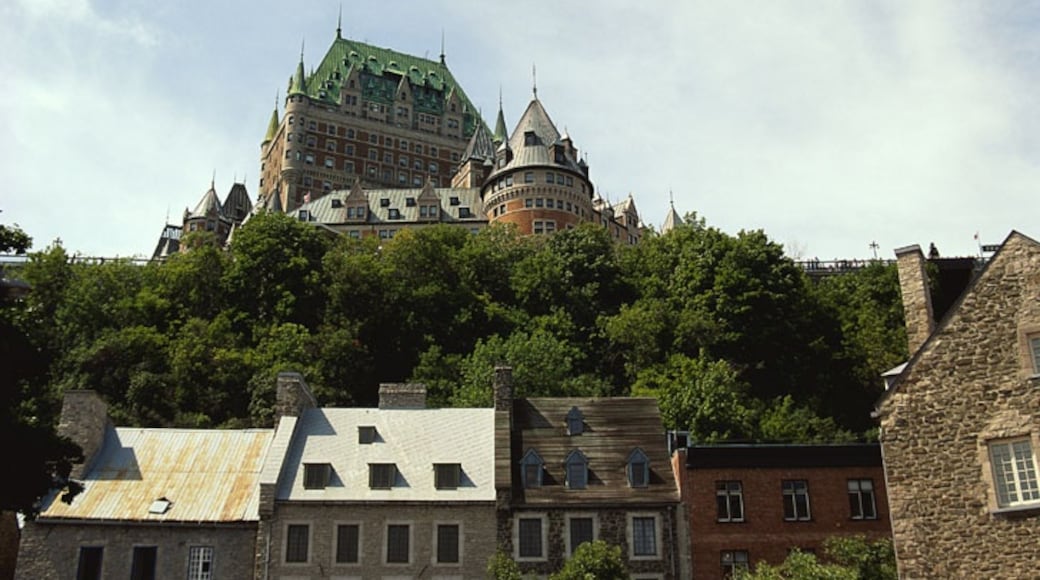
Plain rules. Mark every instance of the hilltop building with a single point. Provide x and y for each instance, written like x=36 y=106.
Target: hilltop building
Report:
x=209 y=215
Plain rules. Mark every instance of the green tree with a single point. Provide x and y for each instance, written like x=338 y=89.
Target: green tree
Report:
x=502 y=567
x=596 y=560
x=844 y=558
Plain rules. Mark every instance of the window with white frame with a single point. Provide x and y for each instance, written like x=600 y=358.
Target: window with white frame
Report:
x=297 y=543
x=580 y=529
x=1014 y=472
x=200 y=563
x=862 y=504
x=348 y=541
x=398 y=543
x=530 y=538
x=729 y=501
x=447 y=539
x=577 y=470
x=531 y=469
x=638 y=469
x=732 y=561
x=643 y=540
x=1034 y=351
x=796 y=500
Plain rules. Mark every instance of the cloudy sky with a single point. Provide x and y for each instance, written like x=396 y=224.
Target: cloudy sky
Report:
x=828 y=124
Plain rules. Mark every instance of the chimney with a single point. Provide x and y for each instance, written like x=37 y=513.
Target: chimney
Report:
x=502 y=383
x=402 y=396
x=84 y=420
x=917 y=300
x=503 y=388
x=293 y=397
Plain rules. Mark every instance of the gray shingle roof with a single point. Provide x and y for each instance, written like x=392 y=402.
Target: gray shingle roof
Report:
x=330 y=208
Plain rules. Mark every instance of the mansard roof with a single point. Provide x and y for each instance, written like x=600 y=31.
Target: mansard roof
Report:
x=331 y=209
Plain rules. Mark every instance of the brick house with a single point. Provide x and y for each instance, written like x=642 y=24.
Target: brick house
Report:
x=756 y=502
x=401 y=491
x=156 y=503
x=570 y=470
x=961 y=423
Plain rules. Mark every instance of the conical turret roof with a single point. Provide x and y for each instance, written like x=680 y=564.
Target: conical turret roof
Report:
x=480 y=145
x=672 y=220
x=500 y=126
x=299 y=80
x=209 y=205
x=272 y=126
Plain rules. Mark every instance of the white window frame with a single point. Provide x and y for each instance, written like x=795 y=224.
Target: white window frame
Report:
x=630 y=535
x=411 y=542
x=568 y=516
x=863 y=494
x=728 y=569
x=792 y=495
x=1033 y=342
x=1018 y=477
x=728 y=493
x=360 y=539
x=436 y=538
x=545 y=536
x=285 y=542
x=195 y=571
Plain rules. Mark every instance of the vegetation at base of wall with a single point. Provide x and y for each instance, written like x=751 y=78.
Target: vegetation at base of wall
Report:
x=502 y=567
x=597 y=559
x=844 y=558
x=725 y=330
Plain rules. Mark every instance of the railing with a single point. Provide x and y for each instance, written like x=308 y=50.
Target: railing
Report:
x=19 y=259
x=824 y=267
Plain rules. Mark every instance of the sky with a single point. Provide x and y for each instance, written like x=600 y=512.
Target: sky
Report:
x=830 y=125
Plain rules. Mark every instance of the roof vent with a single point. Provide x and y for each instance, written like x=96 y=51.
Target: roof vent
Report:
x=160 y=506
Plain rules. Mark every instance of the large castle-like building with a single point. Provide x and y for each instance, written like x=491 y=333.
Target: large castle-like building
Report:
x=373 y=141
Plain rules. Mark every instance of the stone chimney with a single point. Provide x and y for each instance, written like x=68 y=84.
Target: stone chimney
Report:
x=402 y=396
x=293 y=397
x=917 y=300
x=84 y=420
x=502 y=383
x=503 y=387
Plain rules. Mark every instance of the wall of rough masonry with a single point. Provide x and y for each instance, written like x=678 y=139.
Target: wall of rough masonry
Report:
x=970 y=384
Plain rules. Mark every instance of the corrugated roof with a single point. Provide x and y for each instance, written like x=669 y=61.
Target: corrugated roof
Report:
x=412 y=439
x=206 y=475
x=614 y=427
x=322 y=210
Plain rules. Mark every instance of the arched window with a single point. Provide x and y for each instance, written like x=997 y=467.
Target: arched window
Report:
x=577 y=469
x=531 y=468
x=575 y=421
x=638 y=468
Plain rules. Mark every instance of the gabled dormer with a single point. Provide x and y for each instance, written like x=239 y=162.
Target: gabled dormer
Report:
x=532 y=469
x=429 y=203
x=638 y=468
x=575 y=422
x=576 y=470
x=356 y=203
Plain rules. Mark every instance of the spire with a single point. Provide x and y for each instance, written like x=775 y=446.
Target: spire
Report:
x=501 y=133
x=272 y=125
x=339 y=23
x=442 y=46
x=213 y=180
x=534 y=81
x=299 y=81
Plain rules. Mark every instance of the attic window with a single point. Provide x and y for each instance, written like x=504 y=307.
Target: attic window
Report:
x=366 y=434
x=384 y=202
x=575 y=421
x=316 y=475
x=531 y=469
x=453 y=201
x=577 y=467
x=530 y=138
x=409 y=202
x=160 y=506
x=337 y=203
x=381 y=475
x=638 y=469
x=464 y=212
x=446 y=475
x=394 y=214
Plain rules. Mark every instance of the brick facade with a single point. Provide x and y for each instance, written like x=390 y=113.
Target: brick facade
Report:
x=971 y=385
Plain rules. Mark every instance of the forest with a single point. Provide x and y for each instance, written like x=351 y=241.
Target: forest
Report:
x=735 y=341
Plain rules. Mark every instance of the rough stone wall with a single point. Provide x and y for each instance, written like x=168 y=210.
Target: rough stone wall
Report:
x=293 y=395
x=84 y=420
x=402 y=396
x=971 y=383
x=477 y=543
x=917 y=302
x=50 y=551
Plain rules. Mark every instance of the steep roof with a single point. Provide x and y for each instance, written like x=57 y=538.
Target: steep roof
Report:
x=532 y=141
x=481 y=145
x=237 y=204
x=501 y=132
x=614 y=428
x=272 y=126
x=206 y=475
x=671 y=220
x=208 y=206
x=329 y=209
x=411 y=439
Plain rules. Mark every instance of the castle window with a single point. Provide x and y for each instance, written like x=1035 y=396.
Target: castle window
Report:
x=330 y=145
x=528 y=202
x=1014 y=472
x=433 y=168
x=349 y=149
x=531 y=469
x=403 y=160
x=290 y=119
x=549 y=177
x=861 y=499
x=366 y=433
x=638 y=469
x=332 y=129
x=297 y=543
x=384 y=202
x=1034 y=351
x=559 y=204
x=381 y=475
x=312 y=126
x=453 y=201
x=530 y=538
x=577 y=470
x=733 y=561
x=330 y=163
x=570 y=181
x=350 y=133
x=643 y=539
x=316 y=475
x=509 y=180
x=402 y=177
x=337 y=203
x=530 y=138
x=417 y=180
x=575 y=422
x=539 y=202
x=446 y=475
x=311 y=141
x=309 y=159
x=404 y=144
x=388 y=157
x=326 y=186
x=417 y=165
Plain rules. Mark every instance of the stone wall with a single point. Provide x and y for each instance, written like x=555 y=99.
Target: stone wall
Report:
x=51 y=551
x=84 y=420
x=917 y=301
x=970 y=383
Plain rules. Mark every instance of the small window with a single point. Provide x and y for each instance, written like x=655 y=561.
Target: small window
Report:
x=200 y=563
x=530 y=533
x=549 y=178
x=381 y=475
x=638 y=469
x=398 y=540
x=446 y=475
x=644 y=536
x=529 y=177
x=464 y=212
x=394 y=214
x=729 y=501
x=530 y=138
x=861 y=499
x=575 y=422
x=297 y=540
x=1034 y=351
x=316 y=475
x=453 y=201
x=581 y=531
x=348 y=538
x=89 y=567
x=336 y=203
x=539 y=202
x=447 y=544
x=796 y=500
x=366 y=434
x=409 y=202
x=1014 y=472
x=531 y=468
x=384 y=202
x=142 y=567
x=733 y=562
x=528 y=202
x=577 y=470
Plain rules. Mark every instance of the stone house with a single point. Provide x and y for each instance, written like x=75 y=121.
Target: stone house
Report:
x=571 y=470
x=156 y=503
x=401 y=491
x=749 y=503
x=961 y=423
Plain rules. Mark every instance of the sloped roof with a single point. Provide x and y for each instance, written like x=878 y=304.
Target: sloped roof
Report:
x=207 y=475
x=169 y=242
x=480 y=145
x=272 y=126
x=237 y=204
x=412 y=439
x=614 y=427
x=208 y=206
x=671 y=220
x=500 y=126
x=321 y=210
x=536 y=152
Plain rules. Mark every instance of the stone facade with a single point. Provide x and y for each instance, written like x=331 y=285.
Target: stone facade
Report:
x=84 y=420
x=972 y=385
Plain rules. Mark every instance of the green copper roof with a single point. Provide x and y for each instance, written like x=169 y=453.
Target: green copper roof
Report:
x=299 y=80
x=272 y=127
x=501 y=133
x=380 y=72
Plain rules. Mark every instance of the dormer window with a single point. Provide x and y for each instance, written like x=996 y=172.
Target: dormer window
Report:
x=530 y=138
x=384 y=202
x=446 y=475
x=577 y=468
x=531 y=469
x=381 y=475
x=638 y=469
x=366 y=434
x=409 y=202
x=575 y=421
x=316 y=475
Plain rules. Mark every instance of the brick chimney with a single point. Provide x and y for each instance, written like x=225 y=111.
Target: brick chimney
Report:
x=402 y=396
x=293 y=397
x=84 y=420
x=917 y=300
